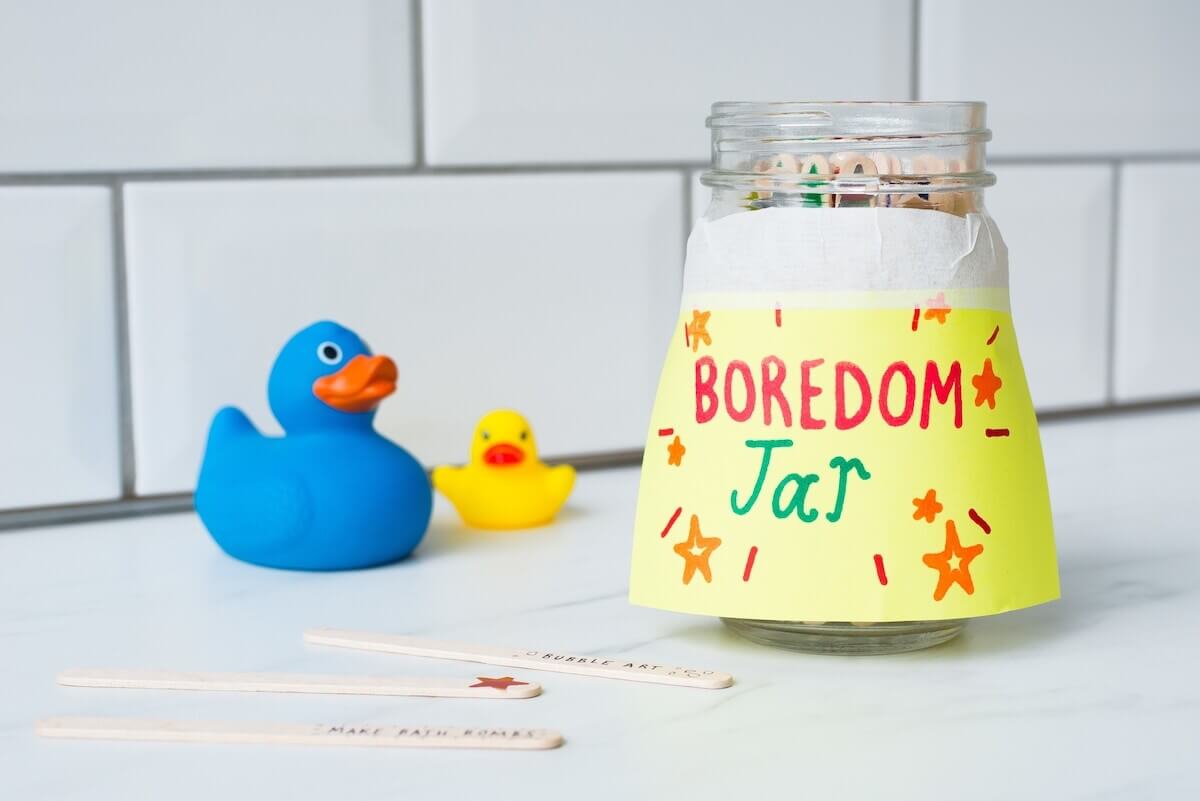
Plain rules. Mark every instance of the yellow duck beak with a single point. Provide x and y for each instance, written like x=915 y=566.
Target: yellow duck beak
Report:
x=503 y=454
x=503 y=439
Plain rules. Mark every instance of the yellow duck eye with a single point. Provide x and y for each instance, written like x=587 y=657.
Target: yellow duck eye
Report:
x=524 y=435
x=484 y=434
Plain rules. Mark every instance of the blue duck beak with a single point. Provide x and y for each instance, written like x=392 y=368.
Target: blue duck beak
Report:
x=359 y=386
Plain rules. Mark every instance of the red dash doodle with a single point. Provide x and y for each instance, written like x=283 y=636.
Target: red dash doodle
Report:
x=749 y=562
x=778 y=317
x=916 y=317
x=666 y=432
x=671 y=522
x=979 y=521
x=879 y=569
x=687 y=340
x=995 y=333
x=996 y=432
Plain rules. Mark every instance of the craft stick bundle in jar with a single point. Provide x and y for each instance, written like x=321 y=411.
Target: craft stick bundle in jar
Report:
x=853 y=462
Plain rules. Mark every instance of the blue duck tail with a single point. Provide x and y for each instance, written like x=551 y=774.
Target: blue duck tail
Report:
x=230 y=423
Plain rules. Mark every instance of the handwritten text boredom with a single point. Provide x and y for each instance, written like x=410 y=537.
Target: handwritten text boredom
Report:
x=900 y=394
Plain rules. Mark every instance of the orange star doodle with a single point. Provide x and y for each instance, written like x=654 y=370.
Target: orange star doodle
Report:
x=695 y=551
x=937 y=308
x=675 y=452
x=941 y=562
x=698 y=329
x=986 y=384
x=927 y=507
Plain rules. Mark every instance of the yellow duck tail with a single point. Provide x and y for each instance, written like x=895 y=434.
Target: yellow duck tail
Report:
x=560 y=481
x=447 y=480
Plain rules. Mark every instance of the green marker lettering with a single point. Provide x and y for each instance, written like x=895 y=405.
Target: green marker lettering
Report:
x=844 y=465
x=767 y=445
x=797 y=502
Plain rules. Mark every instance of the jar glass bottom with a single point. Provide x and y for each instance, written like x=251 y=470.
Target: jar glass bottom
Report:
x=847 y=639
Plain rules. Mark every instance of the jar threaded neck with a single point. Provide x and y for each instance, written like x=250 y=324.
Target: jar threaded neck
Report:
x=850 y=149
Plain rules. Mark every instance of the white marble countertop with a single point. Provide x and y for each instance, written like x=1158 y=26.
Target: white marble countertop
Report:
x=1093 y=697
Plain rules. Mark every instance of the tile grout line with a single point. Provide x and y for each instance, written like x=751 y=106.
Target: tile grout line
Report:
x=368 y=171
x=914 y=67
x=1116 y=410
x=128 y=467
x=94 y=511
x=1114 y=218
x=417 y=42
x=168 y=503
x=107 y=177
x=1096 y=158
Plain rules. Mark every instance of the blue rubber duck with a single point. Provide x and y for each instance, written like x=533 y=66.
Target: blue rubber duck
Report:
x=331 y=494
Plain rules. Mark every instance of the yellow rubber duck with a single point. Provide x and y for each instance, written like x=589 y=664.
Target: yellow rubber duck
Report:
x=504 y=485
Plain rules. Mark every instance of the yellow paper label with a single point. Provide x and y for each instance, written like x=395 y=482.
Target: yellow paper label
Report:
x=848 y=464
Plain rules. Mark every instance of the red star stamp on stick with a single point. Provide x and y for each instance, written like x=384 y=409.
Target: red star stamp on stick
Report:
x=502 y=683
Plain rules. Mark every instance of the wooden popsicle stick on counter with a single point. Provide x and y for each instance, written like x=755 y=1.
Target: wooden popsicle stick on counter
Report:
x=362 y=734
x=603 y=667
x=474 y=687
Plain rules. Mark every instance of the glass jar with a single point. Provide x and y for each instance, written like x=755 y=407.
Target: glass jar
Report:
x=843 y=455
x=847 y=155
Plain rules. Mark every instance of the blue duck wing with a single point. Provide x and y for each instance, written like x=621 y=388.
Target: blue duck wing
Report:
x=250 y=502
x=255 y=517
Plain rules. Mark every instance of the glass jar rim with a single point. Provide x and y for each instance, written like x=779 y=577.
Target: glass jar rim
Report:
x=841 y=120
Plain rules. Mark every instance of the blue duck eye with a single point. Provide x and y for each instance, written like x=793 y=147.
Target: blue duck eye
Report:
x=329 y=353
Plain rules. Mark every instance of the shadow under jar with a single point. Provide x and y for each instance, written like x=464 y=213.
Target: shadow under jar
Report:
x=826 y=155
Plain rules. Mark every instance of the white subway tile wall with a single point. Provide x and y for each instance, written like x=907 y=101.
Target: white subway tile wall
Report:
x=526 y=81
x=552 y=294
x=58 y=405
x=1158 y=279
x=1056 y=222
x=1068 y=78
x=142 y=84
x=460 y=181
